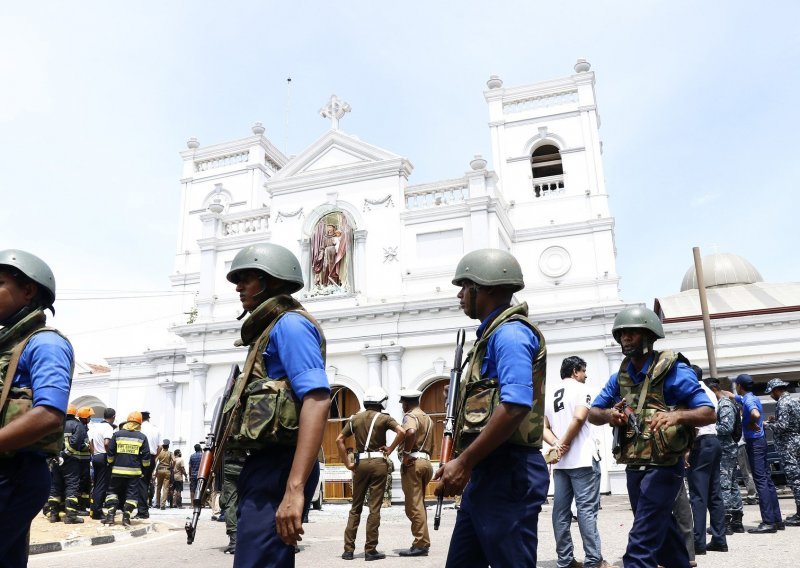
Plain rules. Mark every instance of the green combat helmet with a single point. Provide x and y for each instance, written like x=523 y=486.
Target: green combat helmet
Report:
x=490 y=267
x=637 y=318
x=34 y=268
x=275 y=260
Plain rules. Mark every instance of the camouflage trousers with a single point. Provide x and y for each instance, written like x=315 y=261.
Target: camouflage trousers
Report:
x=790 y=456
x=727 y=478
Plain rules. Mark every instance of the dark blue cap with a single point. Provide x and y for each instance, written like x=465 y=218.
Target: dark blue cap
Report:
x=744 y=380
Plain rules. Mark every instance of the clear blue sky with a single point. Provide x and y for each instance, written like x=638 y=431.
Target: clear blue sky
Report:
x=698 y=104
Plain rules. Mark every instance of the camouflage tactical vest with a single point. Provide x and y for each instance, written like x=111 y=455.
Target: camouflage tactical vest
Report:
x=264 y=410
x=479 y=396
x=20 y=399
x=663 y=447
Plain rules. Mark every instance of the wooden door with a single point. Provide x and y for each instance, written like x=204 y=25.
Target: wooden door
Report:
x=432 y=402
x=338 y=480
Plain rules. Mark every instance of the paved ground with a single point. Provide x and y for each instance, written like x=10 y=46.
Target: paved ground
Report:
x=166 y=547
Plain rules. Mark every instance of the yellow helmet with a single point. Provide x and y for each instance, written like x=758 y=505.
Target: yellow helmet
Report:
x=135 y=416
x=71 y=409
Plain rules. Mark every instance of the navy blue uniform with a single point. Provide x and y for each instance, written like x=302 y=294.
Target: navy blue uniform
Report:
x=293 y=352
x=654 y=538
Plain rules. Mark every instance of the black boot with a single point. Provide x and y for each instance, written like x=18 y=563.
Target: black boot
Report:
x=728 y=529
x=231 y=548
x=109 y=520
x=736 y=525
x=72 y=518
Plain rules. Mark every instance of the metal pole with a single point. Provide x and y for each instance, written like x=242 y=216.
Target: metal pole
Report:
x=701 y=288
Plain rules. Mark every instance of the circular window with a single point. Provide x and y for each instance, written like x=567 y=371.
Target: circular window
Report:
x=555 y=262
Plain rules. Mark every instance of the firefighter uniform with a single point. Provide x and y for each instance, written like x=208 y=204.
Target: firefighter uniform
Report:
x=128 y=453
x=76 y=457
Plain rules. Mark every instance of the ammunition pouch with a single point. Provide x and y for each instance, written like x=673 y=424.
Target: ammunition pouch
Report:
x=268 y=415
x=662 y=447
x=20 y=401
x=480 y=400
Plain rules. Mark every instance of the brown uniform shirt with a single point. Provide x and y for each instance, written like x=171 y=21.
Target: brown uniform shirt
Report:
x=423 y=424
x=358 y=425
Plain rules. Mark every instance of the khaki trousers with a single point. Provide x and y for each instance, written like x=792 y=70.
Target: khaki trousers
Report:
x=162 y=485
x=414 y=479
x=369 y=474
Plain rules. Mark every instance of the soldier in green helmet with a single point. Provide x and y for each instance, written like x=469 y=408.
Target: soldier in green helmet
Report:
x=499 y=421
x=36 y=365
x=277 y=408
x=656 y=402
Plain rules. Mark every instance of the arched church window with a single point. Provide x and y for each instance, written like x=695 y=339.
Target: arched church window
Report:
x=547 y=170
x=331 y=255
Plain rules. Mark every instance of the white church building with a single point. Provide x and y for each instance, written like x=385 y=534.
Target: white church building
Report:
x=378 y=252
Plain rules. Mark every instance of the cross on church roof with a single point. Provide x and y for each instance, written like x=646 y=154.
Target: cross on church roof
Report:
x=334 y=110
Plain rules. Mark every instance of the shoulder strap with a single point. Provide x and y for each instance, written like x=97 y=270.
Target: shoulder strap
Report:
x=427 y=433
x=369 y=433
x=14 y=362
x=646 y=386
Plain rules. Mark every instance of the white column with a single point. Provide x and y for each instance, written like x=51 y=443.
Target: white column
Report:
x=197 y=396
x=168 y=424
x=208 y=265
x=305 y=260
x=373 y=369
x=360 y=260
x=394 y=379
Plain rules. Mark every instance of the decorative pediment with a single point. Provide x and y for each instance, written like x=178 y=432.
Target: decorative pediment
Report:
x=334 y=151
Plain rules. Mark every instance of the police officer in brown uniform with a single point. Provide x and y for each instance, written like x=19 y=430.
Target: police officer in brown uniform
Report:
x=370 y=468
x=164 y=465
x=416 y=470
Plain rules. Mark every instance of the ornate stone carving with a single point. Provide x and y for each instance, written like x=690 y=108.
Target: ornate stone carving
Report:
x=555 y=261
x=385 y=201
x=280 y=215
x=334 y=110
x=390 y=254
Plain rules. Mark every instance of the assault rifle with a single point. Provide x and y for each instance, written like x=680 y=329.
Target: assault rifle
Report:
x=449 y=421
x=211 y=454
x=620 y=432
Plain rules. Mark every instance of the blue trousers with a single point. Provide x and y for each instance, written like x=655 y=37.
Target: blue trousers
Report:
x=767 y=496
x=262 y=484
x=582 y=484
x=705 y=490
x=654 y=538
x=24 y=487
x=498 y=519
x=102 y=476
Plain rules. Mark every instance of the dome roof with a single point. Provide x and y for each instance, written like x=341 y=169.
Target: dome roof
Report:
x=720 y=270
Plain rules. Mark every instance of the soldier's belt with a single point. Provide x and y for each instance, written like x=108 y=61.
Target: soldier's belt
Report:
x=368 y=455
x=422 y=455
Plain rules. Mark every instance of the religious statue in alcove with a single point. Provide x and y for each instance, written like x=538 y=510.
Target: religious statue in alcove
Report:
x=330 y=253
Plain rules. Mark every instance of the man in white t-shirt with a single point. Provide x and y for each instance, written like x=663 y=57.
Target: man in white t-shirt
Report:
x=100 y=434
x=576 y=475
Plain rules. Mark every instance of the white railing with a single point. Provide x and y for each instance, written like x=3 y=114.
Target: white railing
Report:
x=222 y=161
x=542 y=101
x=244 y=223
x=550 y=185
x=418 y=197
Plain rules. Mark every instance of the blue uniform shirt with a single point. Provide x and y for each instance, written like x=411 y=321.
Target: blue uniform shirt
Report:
x=509 y=357
x=749 y=402
x=45 y=365
x=680 y=387
x=293 y=352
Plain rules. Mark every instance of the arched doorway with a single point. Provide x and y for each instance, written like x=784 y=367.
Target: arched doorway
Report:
x=433 y=403
x=338 y=481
